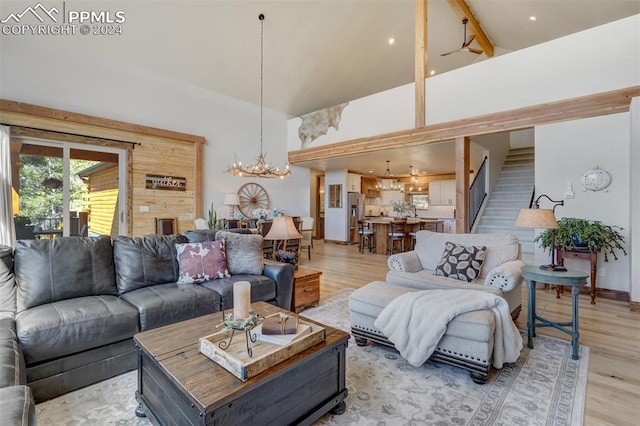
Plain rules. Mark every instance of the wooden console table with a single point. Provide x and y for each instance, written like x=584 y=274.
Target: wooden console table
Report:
x=585 y=254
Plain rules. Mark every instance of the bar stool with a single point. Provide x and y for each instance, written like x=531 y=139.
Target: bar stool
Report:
x=367 y=234
x=422 y=227
x=396 y=233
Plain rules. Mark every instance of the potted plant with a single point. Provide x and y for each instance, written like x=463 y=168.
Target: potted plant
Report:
x=575 y=232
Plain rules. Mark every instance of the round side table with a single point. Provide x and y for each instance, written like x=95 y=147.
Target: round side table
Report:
x=575 y=279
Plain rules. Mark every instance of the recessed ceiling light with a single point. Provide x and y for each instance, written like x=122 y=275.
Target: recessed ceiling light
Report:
x=369 y=171
x=433 y=72
x=391 y=41
x=532 y=18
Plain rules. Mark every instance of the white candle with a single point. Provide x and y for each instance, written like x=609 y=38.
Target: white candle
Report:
x=241 y=299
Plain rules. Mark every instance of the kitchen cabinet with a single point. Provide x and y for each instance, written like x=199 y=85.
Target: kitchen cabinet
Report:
x=353 y=182
x=449 y=226
x=390 y=197
x=442 y=193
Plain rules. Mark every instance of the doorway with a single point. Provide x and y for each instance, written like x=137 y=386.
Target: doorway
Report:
x=67 y=189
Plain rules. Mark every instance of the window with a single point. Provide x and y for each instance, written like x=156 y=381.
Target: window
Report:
x=335 y=196
x=420 y=202
x=63 y=188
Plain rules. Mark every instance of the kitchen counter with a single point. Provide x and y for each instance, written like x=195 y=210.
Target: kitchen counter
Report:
x=382 y=227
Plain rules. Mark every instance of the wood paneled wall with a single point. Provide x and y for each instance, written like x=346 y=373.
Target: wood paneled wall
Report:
x=103 y=199
x=150 y=151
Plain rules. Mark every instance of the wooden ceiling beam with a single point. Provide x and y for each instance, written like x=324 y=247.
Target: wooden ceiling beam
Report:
x=595 y=105
x=420 y=59
x=463 y=11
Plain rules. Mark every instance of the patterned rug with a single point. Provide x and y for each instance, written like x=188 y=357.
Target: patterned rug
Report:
x=545 y=387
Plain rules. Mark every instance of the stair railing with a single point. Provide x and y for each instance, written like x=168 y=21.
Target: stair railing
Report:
x=477 y=192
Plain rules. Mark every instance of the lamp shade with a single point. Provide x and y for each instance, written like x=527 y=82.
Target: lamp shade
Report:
x=283 y=228
x=537 y=218
x=231 y=199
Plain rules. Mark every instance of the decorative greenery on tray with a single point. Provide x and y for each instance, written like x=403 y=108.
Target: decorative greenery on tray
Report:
x=575 y=232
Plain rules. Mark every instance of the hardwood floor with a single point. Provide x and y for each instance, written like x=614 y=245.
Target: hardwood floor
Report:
x=609 y=328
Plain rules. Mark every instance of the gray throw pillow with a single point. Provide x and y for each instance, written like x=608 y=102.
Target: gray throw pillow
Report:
x=460 y=262
x=244 y=252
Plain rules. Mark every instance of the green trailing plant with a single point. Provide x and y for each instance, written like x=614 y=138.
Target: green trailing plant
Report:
x=575 y=232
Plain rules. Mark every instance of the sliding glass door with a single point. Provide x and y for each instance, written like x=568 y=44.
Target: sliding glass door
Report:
x=67 y=189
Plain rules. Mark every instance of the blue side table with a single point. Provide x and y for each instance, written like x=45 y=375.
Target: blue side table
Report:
x=575 y=279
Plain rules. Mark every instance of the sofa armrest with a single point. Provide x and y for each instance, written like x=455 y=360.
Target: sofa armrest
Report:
x=506 y=276
x=405 y=262
x=282 y=274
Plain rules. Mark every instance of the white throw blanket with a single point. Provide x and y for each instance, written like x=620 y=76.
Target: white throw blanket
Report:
x=415 y=322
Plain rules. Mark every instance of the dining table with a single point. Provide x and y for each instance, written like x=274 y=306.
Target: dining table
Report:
x=382 y=227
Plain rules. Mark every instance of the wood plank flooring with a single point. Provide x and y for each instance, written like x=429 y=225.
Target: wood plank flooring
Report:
x=609 y=328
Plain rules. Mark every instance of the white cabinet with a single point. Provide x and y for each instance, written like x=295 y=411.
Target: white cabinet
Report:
x=353 y=182
x=442 y=193
x=449 y=226
x=390 y=197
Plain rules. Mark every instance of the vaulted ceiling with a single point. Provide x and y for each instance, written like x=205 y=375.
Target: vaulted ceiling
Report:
x=319 y=53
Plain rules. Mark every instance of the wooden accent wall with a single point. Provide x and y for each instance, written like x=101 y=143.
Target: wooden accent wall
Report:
x=157 y=151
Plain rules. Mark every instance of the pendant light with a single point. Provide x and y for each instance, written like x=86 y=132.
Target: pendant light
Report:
x=259 y=169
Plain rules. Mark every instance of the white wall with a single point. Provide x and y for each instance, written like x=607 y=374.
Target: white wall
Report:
x=564 y=152
x=496 y=149
x=80 y=82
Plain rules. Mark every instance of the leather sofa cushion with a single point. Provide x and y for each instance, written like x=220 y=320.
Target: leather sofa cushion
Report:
x=63 y=268
x=164 y=304
x=7 y=280
x=7 y=326
x=17 y=406
x=70 y=326
x=262 y=288
x=145 y=261
x=200 y=235
x=12 y=368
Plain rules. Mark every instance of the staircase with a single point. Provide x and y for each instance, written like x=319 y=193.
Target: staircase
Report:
x=511 y=193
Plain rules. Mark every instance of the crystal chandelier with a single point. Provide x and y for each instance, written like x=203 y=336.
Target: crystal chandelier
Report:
x=392 y=184
x=412 y=176
x=259 y=169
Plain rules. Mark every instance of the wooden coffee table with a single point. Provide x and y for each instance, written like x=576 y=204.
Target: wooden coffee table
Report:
x=179 y=385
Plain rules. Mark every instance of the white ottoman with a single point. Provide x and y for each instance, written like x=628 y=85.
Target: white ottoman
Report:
x=467 y=343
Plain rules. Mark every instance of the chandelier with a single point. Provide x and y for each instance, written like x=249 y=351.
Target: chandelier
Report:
x=412 y=176
x=259 y=169
x=389 y=183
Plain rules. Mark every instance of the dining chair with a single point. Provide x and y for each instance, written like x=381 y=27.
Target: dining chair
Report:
x=201 y=223
x=166 y=226
x=268 y=250
x=306 y=230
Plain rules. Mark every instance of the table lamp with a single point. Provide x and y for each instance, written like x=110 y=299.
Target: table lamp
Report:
x=232 y=200
x=283 y=228
x=542 y=219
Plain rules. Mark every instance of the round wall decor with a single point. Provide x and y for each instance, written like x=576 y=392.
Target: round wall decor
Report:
x=596 y=179
x=252 y=196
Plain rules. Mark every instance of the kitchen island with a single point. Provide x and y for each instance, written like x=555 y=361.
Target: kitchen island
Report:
x=382 y=227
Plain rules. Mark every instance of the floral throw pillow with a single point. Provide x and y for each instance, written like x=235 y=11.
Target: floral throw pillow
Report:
x=199 y=262
x=462 y=263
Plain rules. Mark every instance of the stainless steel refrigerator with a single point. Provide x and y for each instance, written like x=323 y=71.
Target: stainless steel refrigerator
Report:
x=355 y=204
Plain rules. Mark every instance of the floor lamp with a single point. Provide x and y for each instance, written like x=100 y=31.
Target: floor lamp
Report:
x=538 y=218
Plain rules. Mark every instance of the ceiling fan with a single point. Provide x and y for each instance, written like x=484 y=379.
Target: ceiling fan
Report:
x=466 y=41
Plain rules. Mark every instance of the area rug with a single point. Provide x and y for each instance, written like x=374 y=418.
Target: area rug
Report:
x=545 y=387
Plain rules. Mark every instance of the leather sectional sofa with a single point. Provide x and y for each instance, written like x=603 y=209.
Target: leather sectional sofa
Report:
x=69 y=308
